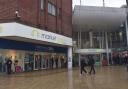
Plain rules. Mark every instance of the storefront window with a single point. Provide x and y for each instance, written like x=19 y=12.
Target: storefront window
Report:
x=29 y=61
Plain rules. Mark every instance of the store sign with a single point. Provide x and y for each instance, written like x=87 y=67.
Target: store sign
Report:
x=19 y=30
x=92 y=51
x=37 y=34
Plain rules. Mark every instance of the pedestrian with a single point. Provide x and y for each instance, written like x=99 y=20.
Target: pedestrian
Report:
x=91 y=63
x=52 y=62
x=56 y=61
x=83 y=65
x=9 y=65
x=127 y=67
x=127 y=63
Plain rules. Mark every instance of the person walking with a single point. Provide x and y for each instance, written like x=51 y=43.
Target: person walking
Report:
x=9 y=65
x=56 y=61
x=127 y=63
x=91 y=63
x=83 y=64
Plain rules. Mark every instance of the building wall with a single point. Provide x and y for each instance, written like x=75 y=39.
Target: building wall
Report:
x=31 y=14
x=7 y=10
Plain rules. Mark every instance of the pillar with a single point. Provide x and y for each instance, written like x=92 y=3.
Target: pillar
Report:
x=107 y=50
x=69 y=57
x=80 y=40
x=126 y=24
x=91 y=39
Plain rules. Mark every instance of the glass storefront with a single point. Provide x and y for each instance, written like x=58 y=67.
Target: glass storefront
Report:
x=29 y=61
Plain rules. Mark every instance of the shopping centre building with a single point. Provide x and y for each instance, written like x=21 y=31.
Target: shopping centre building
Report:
x=99 y=31
x=36 y=34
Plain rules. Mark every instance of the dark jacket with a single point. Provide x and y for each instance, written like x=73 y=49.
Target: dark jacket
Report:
x=83 y=64
x=9 y=62
x=91 y=61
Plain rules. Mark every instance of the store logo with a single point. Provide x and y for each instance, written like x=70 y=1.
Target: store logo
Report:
x=1 y=29
x=61 y=41
x=42 y=35
x=35 y=33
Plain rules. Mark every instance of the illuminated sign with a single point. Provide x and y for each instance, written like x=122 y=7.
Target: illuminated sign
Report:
x=35 y=33
x=41 y=35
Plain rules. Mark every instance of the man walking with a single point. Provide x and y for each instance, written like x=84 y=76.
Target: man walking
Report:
x=91 y=63
x=9 y=64
x=83 y=64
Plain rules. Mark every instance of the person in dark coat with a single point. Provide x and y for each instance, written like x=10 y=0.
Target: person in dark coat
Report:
x=56 y=61
x=52 y=62
x=9 y=65
x=83 y=64
x=91 y=63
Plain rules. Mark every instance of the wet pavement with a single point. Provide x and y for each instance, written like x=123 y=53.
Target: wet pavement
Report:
x=105 y=78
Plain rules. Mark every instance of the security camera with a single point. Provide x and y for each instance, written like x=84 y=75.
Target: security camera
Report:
x=17 y=14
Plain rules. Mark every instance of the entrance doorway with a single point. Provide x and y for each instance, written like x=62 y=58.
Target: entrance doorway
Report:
x=37 y=62
x=28 y=62
x=40 y=62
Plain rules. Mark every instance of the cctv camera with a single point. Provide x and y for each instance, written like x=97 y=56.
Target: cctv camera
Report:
x=17 y=14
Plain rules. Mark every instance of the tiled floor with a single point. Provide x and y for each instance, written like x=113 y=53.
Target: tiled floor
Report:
x=105 y=78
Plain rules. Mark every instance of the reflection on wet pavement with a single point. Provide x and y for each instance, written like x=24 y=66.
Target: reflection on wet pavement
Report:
x=105 y=78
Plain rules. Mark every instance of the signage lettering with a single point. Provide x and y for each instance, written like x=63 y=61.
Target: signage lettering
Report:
x=50 y=37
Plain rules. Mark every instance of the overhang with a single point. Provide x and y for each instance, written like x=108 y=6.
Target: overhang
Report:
x=98 y=18
x=20 y=32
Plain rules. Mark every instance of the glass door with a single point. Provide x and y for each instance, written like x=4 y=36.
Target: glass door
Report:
x=43 y=62
x=37 y=62
x=28 y=62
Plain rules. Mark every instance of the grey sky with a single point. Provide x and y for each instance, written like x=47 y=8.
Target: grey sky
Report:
x=108 y=3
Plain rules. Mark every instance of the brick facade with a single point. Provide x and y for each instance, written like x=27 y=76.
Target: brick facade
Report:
x=31 y=14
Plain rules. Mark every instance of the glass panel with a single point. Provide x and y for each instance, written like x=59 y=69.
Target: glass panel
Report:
x=53 y=10
x=28 y=62
x=37 y=61
x=49 y=8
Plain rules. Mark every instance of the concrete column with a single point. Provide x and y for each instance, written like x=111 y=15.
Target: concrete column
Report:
x=107 y=50
x=126 y=24
x=79 y=60
x=69 y=58
x=102 y=39
x=91 y=38
x=80 y=39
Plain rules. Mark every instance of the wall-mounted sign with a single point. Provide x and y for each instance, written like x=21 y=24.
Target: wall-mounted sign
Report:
x=91 y=51
x=16 y=29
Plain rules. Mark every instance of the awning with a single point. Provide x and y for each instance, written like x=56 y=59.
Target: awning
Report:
x=26 y=33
